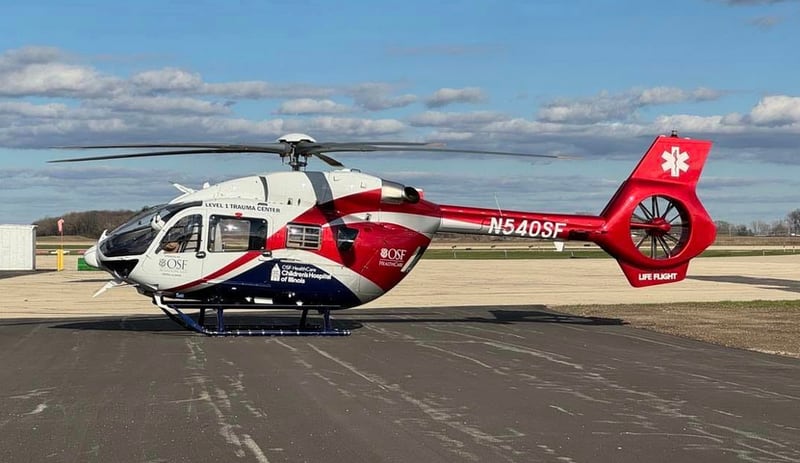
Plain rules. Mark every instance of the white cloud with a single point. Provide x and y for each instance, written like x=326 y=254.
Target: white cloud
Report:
x=451 y=136
x=63 y=101
x=263 y=90
x=447 y=96
x=29 y=110
x=776 y=110
x=312 y=106
x=620 y=107
x=687 y=123
x=167 y=79
x=376 y=96
x=456 y=120
x=41 y=71
x=337 y=126
x=46 y=71
x=160 y=105
x=181 y=81
x=25 y=56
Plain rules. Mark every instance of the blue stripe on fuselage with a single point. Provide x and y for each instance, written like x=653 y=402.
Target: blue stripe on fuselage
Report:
x=286 y=282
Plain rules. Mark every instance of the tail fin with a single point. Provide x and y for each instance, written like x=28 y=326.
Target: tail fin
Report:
x=655 y=222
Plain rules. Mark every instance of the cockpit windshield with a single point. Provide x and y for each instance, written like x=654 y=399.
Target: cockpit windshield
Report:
x=136 y=235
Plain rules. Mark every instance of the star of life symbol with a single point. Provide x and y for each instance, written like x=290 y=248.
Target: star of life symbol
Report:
x=675 y=161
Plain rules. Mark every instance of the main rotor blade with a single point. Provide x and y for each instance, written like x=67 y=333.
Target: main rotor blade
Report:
x=329 y=160
x=158 y=153
x=278 y=147
x=430 y=147
x=500 y=153
x=356 y=147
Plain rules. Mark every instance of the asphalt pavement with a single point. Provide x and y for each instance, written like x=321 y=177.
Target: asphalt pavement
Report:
x=493 y=383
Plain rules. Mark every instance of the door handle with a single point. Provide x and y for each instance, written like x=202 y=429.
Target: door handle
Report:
x=200 y=255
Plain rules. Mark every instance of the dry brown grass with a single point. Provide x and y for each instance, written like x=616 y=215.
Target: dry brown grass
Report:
x=765 y=326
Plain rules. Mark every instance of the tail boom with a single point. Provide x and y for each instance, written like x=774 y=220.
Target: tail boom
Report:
x=653 y=225
x=494 y=222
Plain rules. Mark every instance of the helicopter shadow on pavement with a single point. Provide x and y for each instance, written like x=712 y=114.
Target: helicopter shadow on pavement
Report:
x=763 y=283
x=19 y=273
x=162 y=324
x=90 y=280
x=355 y=319
x=148 y=324
x=496 y=315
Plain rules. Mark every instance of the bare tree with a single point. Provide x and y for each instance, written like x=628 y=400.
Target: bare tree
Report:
x=794 y=221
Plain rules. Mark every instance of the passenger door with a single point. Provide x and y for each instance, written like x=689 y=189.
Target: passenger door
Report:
x=236 y=246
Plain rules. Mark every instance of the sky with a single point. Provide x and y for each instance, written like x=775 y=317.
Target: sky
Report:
x=596 y=80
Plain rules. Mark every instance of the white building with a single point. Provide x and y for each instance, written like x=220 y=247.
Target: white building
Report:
x=17 y=247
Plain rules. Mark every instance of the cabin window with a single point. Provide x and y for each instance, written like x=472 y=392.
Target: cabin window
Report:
x=236 y=234
x=303 y=236
x=184 y=236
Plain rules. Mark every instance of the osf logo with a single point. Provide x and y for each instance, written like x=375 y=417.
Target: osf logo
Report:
x=393 y=254
x=172 y=264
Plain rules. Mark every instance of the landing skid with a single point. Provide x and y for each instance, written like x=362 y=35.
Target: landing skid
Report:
x=173 y=310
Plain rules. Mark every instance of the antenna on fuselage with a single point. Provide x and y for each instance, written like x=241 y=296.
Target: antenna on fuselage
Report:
x=500 y=211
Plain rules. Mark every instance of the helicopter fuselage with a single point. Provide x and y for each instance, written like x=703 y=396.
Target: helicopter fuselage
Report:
x=338 y=238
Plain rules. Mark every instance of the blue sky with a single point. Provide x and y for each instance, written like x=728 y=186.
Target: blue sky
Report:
x=595 y=79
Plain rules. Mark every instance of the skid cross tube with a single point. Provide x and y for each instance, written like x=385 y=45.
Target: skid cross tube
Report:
x=174 y=312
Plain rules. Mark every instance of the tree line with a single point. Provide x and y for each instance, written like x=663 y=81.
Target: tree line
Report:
x=89 y=224
x=789 y=226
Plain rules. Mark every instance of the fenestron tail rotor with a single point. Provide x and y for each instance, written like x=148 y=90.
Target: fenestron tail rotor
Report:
x=659 y=227
x=293 y=148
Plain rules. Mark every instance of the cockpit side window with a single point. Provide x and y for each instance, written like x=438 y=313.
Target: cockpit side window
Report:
x=184 y=236
x=236 y=234
x=135 y=236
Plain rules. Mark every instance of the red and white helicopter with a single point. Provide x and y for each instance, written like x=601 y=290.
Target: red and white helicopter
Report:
x=333 y=240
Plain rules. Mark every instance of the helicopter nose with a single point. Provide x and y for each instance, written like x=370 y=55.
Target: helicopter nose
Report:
x=90 y=256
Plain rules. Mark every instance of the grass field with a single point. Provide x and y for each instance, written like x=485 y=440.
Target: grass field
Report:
x=771 y=327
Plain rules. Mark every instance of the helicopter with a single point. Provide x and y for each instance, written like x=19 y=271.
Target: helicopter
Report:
x=326 y=241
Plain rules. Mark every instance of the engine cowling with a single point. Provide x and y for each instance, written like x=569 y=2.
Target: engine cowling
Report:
x=396 y=193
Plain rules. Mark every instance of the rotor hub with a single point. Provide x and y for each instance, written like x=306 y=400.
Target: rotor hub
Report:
x=298 y=160
x=659 y=226
x=296 y=138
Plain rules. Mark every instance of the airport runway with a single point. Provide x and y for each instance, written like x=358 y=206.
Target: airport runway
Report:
x=424 y=384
